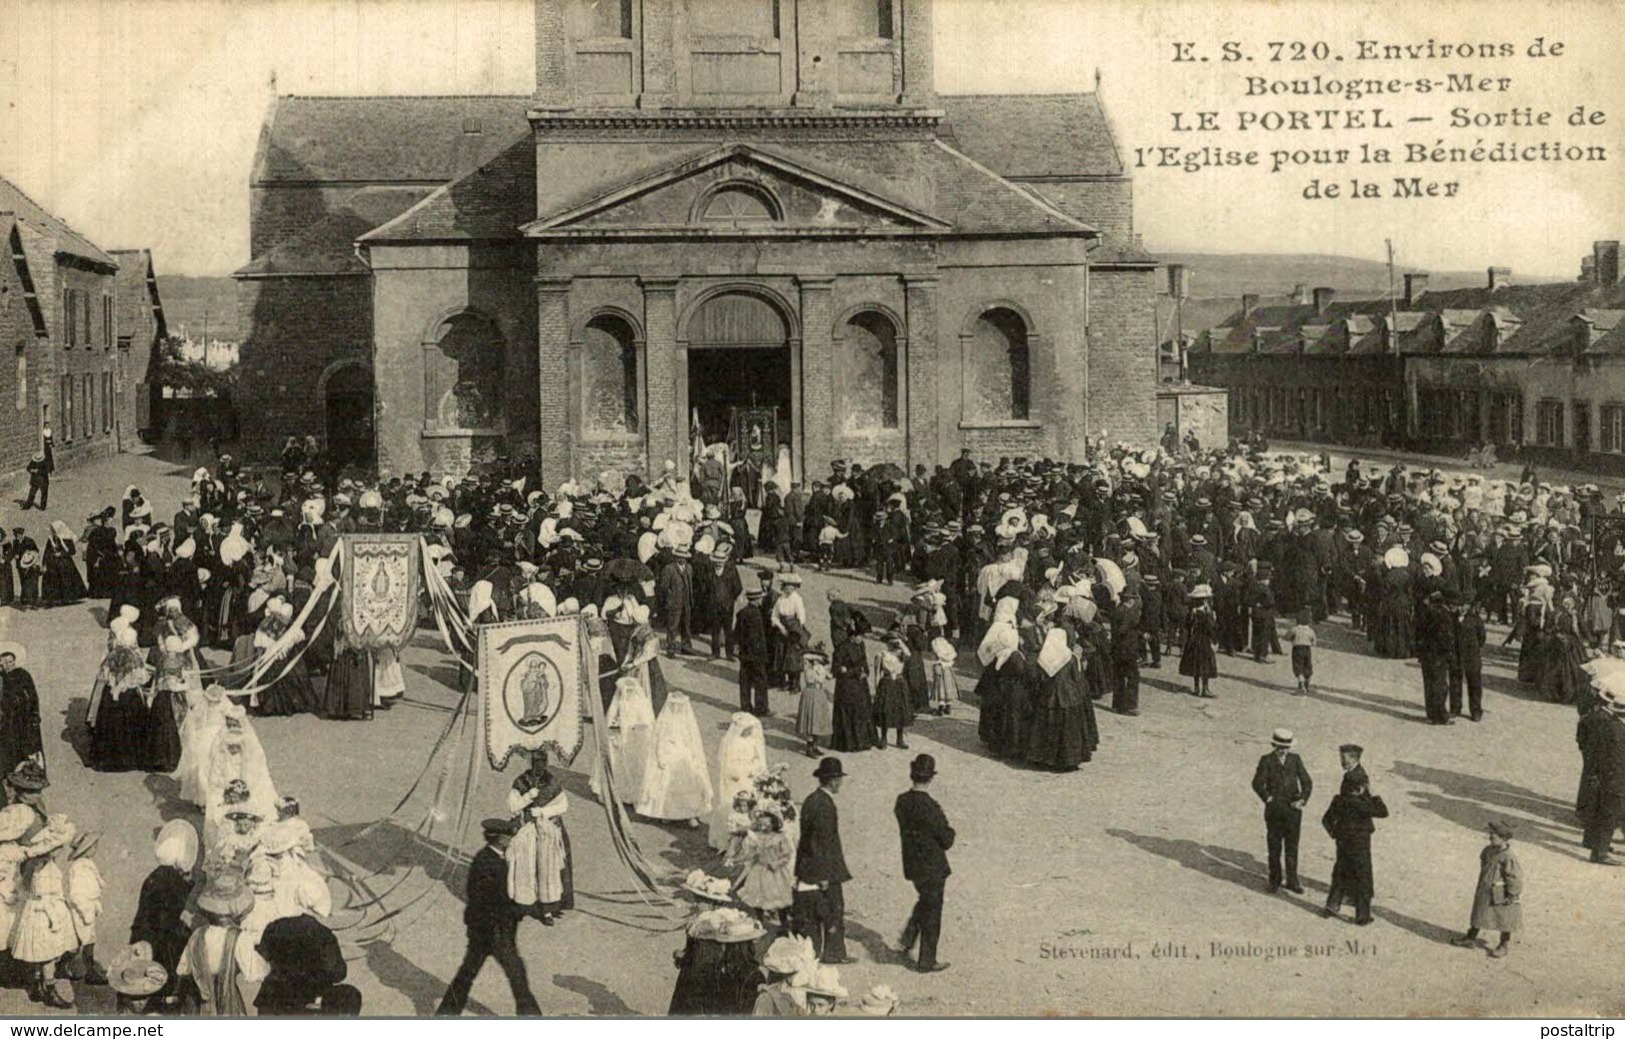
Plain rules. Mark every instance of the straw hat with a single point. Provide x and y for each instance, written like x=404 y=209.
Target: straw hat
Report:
x=227 y=894
x=135 y=973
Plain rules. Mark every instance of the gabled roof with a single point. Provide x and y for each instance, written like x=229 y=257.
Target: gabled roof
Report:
x=65 y=240
x=489 y=203
x=377 y=140
x=17 y=255
x=328 y=246
x=789 y=165
x=137 y=285
x=1033 y=136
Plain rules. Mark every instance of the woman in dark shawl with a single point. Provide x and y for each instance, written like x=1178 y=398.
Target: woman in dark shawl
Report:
x=159 y=915
x=1060 y=736
x=854 y=723
x=101 y=556
x=62 y=581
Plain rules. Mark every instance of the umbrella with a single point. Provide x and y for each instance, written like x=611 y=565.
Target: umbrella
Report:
x=887 y=471
x=1109 y=572
x=628 y=571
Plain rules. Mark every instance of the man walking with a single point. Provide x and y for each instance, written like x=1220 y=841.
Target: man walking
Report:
x=1604 y=755
x=492 y=919
x=750 y=642
x=40 y=468
x=1283 y=784
x=926 y=838
x=820 y=909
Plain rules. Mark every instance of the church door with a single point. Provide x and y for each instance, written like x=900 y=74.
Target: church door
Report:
x=349 y=415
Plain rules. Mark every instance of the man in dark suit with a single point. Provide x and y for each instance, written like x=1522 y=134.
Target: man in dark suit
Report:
x=1283 y=784
x=926 y=838
x=1348 y=822
x=40 y=468
x=1436 y=649
x=750 y=642
x=820 y=909
x=492 y=920
x=1603 y=756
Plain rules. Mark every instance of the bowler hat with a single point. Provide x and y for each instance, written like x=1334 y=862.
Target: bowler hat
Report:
x=829 y=768
x=500 y=827
x=923 y=767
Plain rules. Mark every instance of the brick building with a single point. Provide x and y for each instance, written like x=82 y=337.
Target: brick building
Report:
x=703 y=206
x=141 y=327
x=60 y=313
x=1536 y=368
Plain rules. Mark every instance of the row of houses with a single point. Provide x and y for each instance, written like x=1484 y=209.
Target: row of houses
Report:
x=1536 y=367
x=78 y=324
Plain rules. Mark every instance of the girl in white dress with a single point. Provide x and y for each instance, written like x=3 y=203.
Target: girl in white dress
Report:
x=741 y=757
x=676 y=781
x=631 y=723
x=205 y=716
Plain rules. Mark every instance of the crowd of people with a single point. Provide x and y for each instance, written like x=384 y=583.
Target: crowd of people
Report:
x=1064 y=579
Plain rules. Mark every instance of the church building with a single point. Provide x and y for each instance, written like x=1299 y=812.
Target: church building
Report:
x=709 y=213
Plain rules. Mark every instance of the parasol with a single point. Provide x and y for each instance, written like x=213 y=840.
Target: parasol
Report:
x=627 y=571
x=888 y=471
x=1111 y=574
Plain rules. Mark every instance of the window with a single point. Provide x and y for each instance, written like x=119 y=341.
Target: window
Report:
x=464 y=373
x=1582 y=425
x=741 y=206
x=869 y=390
x=1549 y=423
x=22 y=377
x=1611 y=423
x=609 y=372
x=756 y=18
x=601 y=19
x=107 y=402
x=67 y=407
x=998 y=376
x=70 y=317
x=869 y=19
x=107 y=322
x=85 y=335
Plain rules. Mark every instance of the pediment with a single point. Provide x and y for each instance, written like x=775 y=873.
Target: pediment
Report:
x=737 y=191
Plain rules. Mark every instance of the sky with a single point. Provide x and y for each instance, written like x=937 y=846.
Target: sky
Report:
x=136 y=120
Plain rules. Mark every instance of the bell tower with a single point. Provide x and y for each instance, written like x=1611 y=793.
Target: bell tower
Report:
x=689 y=55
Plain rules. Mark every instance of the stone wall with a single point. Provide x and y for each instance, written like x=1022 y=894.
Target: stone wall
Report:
x=20 y=352
x=294 y=330
x=1123 y=354
x=83 y=364
x=1105 y=204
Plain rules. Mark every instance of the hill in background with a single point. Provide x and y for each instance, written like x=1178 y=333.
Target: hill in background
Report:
x=193 y=304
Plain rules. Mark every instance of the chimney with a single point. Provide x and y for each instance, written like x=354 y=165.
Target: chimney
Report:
x=1606 y=264
x=1415 y=286
x=1323 y=298
x=1500 y=277
x=1178 y=281
x=1588 y=268
x=1249 y=303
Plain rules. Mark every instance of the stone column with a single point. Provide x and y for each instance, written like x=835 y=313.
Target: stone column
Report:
x=817 y=389
x=553 y=378
x=919 y=87
x=817 y=52
x=659 y=87
x=924 y=440
x=666 y=431
x=552 y=56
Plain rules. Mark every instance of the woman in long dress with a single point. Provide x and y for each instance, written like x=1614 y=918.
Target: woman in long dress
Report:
x=540 y=876
x=676 y=781
x=62 y=581
x=235 y=755
x=998 y=642
x=290 y=690
x=1061 y=735
x=101 y=555
x=1197 y=660
x=631 y=722
x=1534 y=618
x=853 y=722
x=789 y=621
x=741 y=757
x=815 y=713
x=205 y=717
x=1395 y=633
x=1564 y=677
x=117 y=716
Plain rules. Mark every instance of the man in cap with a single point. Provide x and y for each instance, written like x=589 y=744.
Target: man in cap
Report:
x=1348 y=822
x=492 y=921
x=820 y=908
x=1283 y=784
x=926 y=838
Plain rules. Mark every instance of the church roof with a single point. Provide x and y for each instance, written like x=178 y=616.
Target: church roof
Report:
x=1026 y=136
x=374 y=140
x=489 y=203
x=328 y=246
x=65 y=239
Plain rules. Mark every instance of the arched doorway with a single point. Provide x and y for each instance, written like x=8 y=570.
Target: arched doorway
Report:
x=739 y=364
x=348 y=409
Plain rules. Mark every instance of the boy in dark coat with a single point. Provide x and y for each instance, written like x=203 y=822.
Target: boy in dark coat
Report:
x=492 y=920
x=1468 y=663
x=750 y=642
x=1151 y=618
x=1348 y=822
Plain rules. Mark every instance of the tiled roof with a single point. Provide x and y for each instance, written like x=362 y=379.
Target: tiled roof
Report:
x=489 y=203
x=66 y=239
x=385 y=139
x=328 y=246
x=1033 y=135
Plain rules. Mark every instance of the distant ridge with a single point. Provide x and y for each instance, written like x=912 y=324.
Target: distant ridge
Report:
x=1269 y=274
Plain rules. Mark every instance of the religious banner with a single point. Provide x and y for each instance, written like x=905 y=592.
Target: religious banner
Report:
x=533 y=677
x=380 y=589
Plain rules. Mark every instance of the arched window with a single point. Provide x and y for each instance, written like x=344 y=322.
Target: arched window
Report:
x=609 y=372
x=464 y=369
x=998 y=369
x=741 y=205
x=870 y=361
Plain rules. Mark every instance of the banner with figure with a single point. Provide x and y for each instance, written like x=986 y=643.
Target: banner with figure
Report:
x=533 y=676
x=380 y=589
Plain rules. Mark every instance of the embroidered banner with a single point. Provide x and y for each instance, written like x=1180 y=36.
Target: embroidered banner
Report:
x=533 y=677
x=380 y=589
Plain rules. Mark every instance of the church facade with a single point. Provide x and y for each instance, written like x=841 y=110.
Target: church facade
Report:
x=708 y=212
